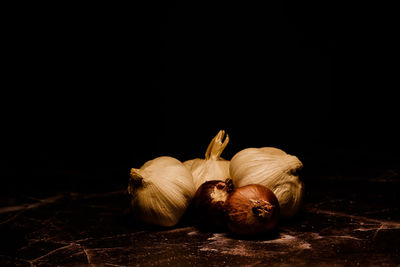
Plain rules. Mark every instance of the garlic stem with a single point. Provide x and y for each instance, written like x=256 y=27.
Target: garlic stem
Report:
x=135 y=181
x=216 y=146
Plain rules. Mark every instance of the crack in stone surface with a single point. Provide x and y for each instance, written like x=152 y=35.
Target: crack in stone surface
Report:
x=52 y=252
x=87 y=255
x=391 y=224
x=42 y=202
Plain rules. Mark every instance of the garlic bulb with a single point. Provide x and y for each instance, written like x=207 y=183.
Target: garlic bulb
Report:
x=161 y=191
x=274 y=169
x=212 y=167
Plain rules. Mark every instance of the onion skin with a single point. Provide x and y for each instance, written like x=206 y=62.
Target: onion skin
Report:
x=252 y=210
x=209 y=203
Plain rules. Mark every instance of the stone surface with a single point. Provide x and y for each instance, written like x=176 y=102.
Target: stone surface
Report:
x=346 y=221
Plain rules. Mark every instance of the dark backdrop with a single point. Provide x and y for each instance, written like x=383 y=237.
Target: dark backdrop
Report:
x=89 y=91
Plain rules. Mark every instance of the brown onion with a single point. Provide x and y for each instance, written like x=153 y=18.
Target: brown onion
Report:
x=252 y=209
x=209 y=202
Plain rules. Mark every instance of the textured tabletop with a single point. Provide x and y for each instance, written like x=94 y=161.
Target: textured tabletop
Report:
x=345 y=221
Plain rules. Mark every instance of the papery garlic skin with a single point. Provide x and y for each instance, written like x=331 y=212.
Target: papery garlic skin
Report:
x=205 y=170
x=273 y=168
x=213 y=167
x=161 y=191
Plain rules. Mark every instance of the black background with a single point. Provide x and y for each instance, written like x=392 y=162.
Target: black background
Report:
x=89 y=91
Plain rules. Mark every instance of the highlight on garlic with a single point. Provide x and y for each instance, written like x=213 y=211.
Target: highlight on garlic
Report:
x=274 y=169
x=213 y=167
x=161 y=190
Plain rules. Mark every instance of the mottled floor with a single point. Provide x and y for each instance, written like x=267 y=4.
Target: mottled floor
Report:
x=346 y=221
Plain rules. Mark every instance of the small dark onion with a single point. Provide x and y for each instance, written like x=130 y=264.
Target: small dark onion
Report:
x=252 y=209
x=209 y=202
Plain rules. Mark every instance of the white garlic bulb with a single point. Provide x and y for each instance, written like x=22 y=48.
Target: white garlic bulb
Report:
x=213 y=167
x=274 y=169
x=161 y=191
